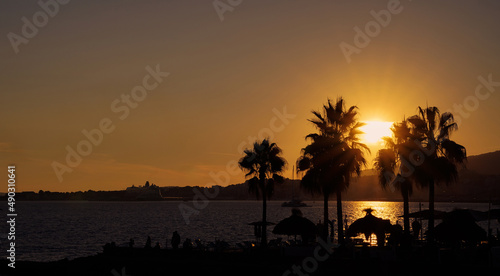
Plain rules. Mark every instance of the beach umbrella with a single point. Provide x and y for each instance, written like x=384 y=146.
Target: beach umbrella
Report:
x=459 y=225
x=473 y=214
x=369 y=225
x=295 y=225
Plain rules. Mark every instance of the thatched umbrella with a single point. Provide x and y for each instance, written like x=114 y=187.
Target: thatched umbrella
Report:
x=369 y=225
x=296 y=225
x=459 y=225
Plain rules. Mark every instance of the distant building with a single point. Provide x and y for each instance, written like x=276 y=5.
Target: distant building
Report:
x=151 y=192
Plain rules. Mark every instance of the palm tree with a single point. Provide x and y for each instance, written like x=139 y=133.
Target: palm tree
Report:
x=432 y=131
x=391 y=164
x=332 y=157
x=264 y=164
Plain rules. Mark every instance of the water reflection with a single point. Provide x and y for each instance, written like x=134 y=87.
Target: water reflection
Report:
x=56 y=230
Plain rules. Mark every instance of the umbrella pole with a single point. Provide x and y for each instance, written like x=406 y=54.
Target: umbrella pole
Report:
x=422 y=230
x=489 y=224
x=332 y=234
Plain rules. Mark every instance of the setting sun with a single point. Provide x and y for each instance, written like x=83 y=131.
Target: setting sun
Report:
x=374 y=131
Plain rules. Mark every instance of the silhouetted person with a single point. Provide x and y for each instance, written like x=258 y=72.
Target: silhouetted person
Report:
x=176 y=240
x=131 y=243
x=148 y=243
x=416 y=226
x=157 y=246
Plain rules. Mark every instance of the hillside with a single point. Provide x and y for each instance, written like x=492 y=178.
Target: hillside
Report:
x=486 y=164
x=479 y=181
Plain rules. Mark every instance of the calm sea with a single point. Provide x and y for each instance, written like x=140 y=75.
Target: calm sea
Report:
x=47 y=231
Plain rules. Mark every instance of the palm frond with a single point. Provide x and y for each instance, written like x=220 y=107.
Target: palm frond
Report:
x=418 y=123
x=445 y=171
x=334 y=153
x=431 y=114
x=260 y=162
x=385 y=164
x=454 y=152
x=446 y=130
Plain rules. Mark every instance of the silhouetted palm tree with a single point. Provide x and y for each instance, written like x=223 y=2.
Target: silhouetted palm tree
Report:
x=441 y=155
x=333 y=155
x=392 y=162
x=264 y=164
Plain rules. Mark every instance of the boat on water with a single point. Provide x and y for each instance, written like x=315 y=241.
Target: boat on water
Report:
x=294 y=203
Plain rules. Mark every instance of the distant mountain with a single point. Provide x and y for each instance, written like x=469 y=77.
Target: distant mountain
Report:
x=487 y=164
x=478 y=182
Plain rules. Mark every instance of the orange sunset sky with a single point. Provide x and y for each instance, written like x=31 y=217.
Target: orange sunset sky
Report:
x=227 y=81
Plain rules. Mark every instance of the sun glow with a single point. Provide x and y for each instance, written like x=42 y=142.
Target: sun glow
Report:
x=374 y=131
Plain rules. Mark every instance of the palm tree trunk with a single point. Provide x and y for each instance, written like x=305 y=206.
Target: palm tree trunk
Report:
x=430 y=236
x=264 y=221
x=406 y=210
x=339 y=217
x=324 y=235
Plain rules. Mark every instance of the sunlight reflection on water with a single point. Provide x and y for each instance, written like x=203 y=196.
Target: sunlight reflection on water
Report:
x=56 y=230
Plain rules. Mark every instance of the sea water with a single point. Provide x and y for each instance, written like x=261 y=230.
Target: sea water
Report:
x=48 y=231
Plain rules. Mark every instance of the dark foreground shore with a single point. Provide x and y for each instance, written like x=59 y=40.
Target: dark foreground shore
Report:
x=305 y=261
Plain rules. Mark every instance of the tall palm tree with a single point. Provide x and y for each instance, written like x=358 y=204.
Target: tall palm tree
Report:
x=333 y=156
x=391 y=164
x=264 y=165
x=432 y=131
